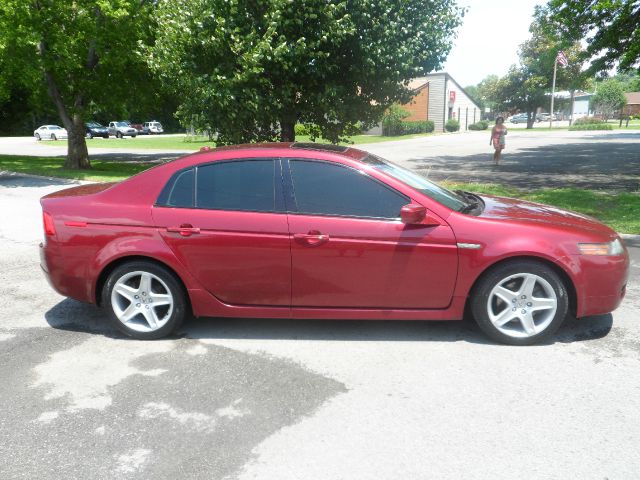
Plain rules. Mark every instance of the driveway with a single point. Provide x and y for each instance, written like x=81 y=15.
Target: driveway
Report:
x=282 y=399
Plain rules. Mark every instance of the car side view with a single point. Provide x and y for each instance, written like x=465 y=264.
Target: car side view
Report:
x=306 y=231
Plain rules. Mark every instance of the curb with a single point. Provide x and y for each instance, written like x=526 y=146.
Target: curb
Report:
x=8 y=173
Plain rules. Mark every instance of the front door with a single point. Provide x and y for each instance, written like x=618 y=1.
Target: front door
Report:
x=225 y=222
x=350 y=250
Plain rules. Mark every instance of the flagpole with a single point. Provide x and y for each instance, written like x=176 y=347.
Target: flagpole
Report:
x=553 y=91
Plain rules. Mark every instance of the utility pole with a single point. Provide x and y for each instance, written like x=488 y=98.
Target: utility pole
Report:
x=553 y=91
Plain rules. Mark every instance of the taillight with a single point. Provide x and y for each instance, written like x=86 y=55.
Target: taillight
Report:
x=49 y=227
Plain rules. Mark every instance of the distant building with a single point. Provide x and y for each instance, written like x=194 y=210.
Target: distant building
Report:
x=633 y=104
x=581 y=107
x=438 y=97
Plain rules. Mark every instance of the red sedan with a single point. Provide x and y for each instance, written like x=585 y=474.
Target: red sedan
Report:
x=323 y=232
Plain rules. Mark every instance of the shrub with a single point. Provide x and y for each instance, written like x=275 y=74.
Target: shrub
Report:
x=452 y=125
x=408 y=128
x=588 y=121
x=591 y=126
x=392 y=120
x=481 y=125
x=301 y=129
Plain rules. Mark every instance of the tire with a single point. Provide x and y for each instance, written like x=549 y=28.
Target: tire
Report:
x=89 y=135
x=118 y=135
x=521 y=302
x=133 y=136
x=53 y=136
x=38 y=138
x=144 y=310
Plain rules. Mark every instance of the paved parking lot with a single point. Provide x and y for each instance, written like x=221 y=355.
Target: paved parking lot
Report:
x=276 y=399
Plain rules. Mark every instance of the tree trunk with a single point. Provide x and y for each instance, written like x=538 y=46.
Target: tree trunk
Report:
x=77 y=153
x=573 y=98
x=287 y=130
x=530 y=120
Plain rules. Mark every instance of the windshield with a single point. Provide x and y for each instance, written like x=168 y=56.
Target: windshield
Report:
x=94 y=125
x=418 y=182
x=122 y=124
x=54 y=127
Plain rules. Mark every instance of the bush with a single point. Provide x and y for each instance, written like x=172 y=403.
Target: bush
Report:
x=481 y=125
x=452 y=125
x=301 y=129
x=588 y=121
x=392 y=120
x=591 y=126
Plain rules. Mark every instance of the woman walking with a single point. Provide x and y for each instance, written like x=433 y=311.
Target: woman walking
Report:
x=498 y=133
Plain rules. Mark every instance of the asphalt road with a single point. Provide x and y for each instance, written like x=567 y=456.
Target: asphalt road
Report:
x=277 y=399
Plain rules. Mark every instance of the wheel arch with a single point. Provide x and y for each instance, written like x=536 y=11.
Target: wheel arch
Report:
x=561 y=272
x=115 y=263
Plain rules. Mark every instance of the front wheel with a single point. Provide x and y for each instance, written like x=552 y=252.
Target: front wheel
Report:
x=118 y=135
x=520 y=303
x=145 y=300
x=89 y=135
x=38 y=137
x=53 y=136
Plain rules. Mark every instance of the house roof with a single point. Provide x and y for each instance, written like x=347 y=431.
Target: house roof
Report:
x=633 y=98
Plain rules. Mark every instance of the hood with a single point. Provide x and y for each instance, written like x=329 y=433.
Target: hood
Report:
x=512 y=209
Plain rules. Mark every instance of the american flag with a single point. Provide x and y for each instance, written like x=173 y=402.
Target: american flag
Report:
x=562 y=59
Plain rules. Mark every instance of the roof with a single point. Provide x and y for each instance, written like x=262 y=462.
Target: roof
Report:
x=633 y=98
x=348 y=152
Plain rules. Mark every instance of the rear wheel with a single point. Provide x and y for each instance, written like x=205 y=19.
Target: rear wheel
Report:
x=145 y=300
x=89 y=135
x=53 y=136
x=520 y=303
x=118 y=135
x=38 y=138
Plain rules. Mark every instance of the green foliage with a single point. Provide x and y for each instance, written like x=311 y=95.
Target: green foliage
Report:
x=481 y=125
x=251 y=70
x=452 y=125
x=409 y=128
x=591 y=126
x=392 y=120
x=84 y=52
x=609 y=98
x=611 y=26
x=588 y=121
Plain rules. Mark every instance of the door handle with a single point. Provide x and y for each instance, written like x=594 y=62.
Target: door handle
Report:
x=186 y=230
x=312 y=239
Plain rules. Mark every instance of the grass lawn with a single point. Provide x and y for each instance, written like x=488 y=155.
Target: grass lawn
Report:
x=53 y=167
x=621 y=211
x=182 y=142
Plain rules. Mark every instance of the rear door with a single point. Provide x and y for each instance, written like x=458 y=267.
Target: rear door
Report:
x=226 y=223
x=350 y=250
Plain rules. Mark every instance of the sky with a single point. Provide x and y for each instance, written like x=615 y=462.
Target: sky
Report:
x=488 y=39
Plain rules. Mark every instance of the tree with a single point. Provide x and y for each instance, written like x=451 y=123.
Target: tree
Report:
x=611 y=29
x=488 y=91
x=609 y=98
x=522 y=90
x=84 y=52
x=251 y=70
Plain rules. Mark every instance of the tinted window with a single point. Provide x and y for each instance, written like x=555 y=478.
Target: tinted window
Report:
x=181 y=192
x=326 y=189
x=239 y=185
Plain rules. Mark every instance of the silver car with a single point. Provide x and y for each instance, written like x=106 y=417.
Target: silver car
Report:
x=153 y=127
x=122 y=129
x=50 y=132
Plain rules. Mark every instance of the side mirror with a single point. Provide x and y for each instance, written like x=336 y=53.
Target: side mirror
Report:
x=414 y=214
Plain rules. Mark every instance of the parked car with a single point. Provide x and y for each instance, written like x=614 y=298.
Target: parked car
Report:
x=94 y=129
x=122 y=129
x=312 y=231
x=140 y=128
x=542 y=117
x=50 y=132
x=154 y=127
x=519 y=118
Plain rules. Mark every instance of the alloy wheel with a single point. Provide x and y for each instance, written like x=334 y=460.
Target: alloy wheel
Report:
x=522 y=305
x=142 y=301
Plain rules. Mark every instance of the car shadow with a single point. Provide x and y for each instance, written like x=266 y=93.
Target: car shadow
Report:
x=75 y=316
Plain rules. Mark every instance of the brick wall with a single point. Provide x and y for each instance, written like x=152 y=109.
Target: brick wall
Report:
x=418 y=106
